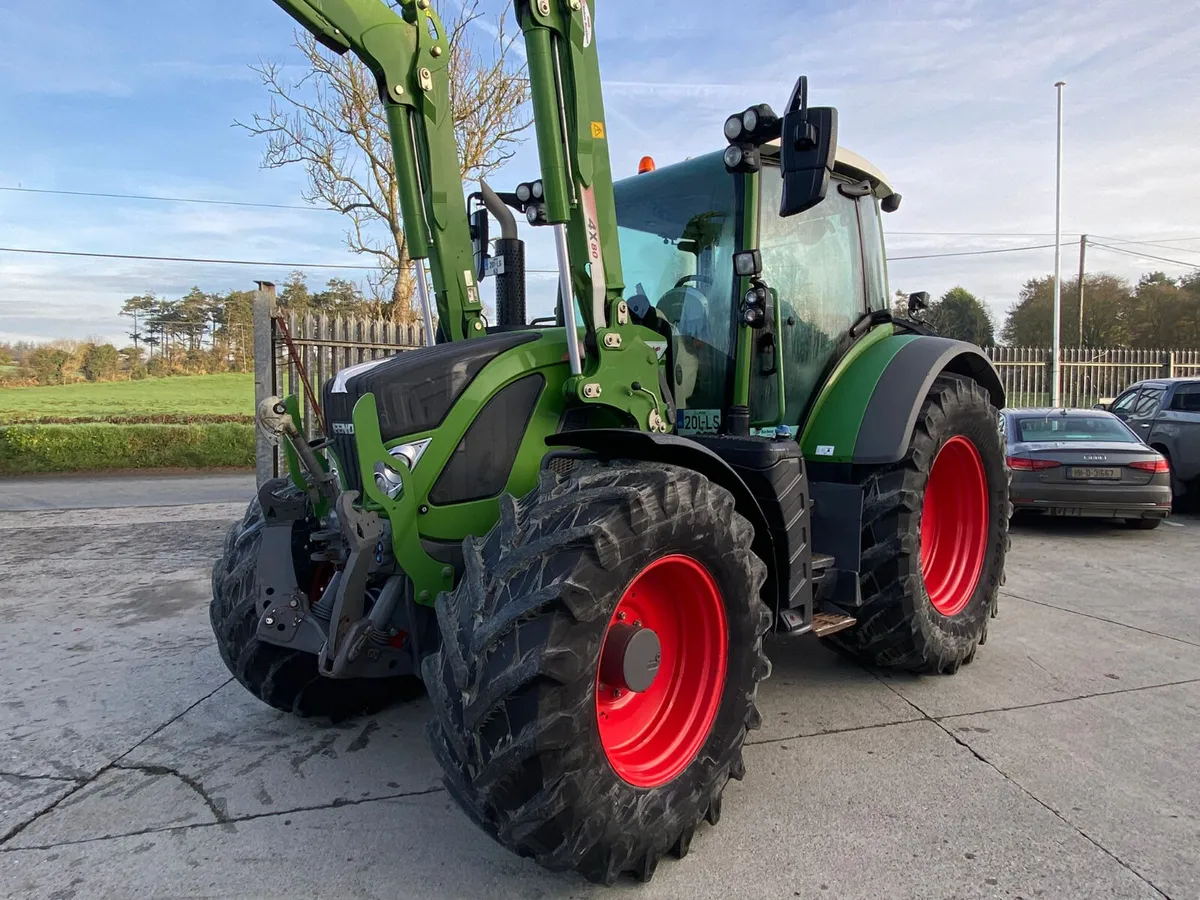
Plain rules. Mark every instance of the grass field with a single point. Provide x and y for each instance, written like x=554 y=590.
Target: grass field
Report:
x=28 y=449
x=228 y=394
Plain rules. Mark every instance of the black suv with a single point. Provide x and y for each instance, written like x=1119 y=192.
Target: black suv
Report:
x=1165 y=413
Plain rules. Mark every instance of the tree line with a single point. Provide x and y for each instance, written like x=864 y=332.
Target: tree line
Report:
x=199 y=333
x=1155 y=313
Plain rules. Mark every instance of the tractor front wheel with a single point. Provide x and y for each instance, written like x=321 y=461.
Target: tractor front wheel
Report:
x=934 y=539
x=598 y=667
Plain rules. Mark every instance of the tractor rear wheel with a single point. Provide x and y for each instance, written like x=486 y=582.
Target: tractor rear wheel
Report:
x=934 y=539
x=599 y=665
x=285 y=679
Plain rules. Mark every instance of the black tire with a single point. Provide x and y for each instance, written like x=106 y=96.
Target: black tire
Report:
x=1144 y=524
x=285 y=679
x=1184 y=495
x=898 y=626
x=514 y=683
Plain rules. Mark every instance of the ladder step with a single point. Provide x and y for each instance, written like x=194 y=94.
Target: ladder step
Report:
x=825 y=624
x=821 y=561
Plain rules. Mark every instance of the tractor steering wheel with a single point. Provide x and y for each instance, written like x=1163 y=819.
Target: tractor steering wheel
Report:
x=696 y=278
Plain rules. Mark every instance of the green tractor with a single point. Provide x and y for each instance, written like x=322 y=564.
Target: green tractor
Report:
x=576 y=538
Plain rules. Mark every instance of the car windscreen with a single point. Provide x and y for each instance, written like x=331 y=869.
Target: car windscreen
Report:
x=1035 y=429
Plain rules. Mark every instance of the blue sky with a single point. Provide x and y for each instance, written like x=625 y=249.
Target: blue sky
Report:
x=954 y=100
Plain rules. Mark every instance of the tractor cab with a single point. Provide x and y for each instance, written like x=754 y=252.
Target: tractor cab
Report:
x=679 y=228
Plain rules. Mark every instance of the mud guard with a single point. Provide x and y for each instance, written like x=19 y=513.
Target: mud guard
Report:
x=873 y=409
x=866 y=414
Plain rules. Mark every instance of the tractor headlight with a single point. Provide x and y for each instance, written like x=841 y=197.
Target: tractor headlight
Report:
x=733 y=128
x=524 y=192
x=386 y=479
x=752 y=297
x=410 y=454
x=536 y=213
x=750 y=119
x=538 y=189
x=740 y=158
x=753 y=316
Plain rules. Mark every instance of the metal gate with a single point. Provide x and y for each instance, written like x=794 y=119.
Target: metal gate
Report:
x=323 y=344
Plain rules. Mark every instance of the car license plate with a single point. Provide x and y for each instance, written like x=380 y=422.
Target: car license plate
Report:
x=1087 y=472
x=699 y=421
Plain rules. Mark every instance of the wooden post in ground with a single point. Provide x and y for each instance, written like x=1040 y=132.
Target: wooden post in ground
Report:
x=266 y=460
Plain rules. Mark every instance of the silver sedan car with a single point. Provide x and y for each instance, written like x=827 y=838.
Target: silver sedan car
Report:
x=1076 y=462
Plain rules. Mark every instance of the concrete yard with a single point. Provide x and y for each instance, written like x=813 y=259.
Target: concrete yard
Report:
x=1061 y=764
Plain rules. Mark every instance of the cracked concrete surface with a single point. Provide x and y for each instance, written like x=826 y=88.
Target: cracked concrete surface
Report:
x=1059 y=765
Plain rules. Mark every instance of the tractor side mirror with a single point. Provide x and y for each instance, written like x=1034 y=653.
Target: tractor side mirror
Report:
x=479 y=241
x=918 y=302
x=808 y=145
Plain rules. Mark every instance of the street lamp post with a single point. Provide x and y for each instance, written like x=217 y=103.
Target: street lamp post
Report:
x=1056 y=368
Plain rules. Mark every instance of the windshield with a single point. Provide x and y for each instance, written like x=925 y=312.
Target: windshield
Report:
x=1060 y=429
x=678 y=228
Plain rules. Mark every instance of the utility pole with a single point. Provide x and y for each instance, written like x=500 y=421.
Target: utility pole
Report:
x=1056 y=370
x=1082 y=270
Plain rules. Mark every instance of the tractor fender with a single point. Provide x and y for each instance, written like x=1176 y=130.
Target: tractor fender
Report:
x=867 y=412
x=628 y=443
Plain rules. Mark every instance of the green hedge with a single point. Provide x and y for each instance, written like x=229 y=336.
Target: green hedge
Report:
x=26 y=449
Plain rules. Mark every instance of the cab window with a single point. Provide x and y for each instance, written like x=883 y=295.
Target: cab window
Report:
x=814 y=261
x=874 y=260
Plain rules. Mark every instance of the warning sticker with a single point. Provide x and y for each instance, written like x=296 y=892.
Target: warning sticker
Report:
x=598 y=130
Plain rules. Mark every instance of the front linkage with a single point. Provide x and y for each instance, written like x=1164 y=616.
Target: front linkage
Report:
x=329 y=617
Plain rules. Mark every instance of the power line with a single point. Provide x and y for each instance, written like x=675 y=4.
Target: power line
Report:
x=22 y=190
x=971 y=253
x=215 y=262
x=184 y=259
x=1023 y=234
x=1177 y=262
x=1160 y=246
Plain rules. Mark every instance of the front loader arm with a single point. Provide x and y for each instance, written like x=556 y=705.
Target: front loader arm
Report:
x=409 y=55
x=620 y=370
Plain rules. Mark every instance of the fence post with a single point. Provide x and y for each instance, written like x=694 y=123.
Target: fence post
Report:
x=1171 y=364
x=266 y=464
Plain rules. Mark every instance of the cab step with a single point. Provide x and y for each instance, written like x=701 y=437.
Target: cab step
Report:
x=825 y=624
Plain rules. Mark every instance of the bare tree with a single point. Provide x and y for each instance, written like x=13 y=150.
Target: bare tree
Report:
x=331 y=122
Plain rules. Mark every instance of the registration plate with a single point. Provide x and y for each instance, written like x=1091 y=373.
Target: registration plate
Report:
x=1087 y=472
x=699 y=421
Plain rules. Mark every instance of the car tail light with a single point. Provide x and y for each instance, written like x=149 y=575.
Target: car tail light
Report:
x=1157 y=466
x=1032 y=465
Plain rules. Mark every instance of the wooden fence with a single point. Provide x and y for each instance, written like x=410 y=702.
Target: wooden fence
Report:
x=1087 y=375
x=328 y=344
x=325 y=345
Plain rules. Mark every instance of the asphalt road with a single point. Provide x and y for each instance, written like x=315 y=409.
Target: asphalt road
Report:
x=1060 y=764
x=92 y=491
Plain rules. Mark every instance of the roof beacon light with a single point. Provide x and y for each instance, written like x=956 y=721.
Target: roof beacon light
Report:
x=646 y=165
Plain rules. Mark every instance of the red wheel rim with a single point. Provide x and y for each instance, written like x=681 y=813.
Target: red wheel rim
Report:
x=954 y=526
x=651 y=737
